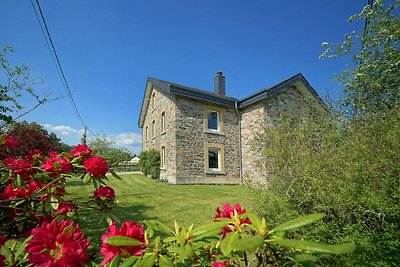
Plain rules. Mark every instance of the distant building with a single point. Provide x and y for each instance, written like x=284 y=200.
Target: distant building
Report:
x=134 y=160
x=207 y=138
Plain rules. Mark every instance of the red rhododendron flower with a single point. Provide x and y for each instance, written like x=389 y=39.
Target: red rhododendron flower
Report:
x=228 y=211
x=96 y=166
x=21 y=167
x=131 y=229
x=58 y=245
x=10 y=141
x=104 y=191
x=56 y=165
x=220 y=263
x=81 y=150
x=12 y=193
x=65 y=207
x=34 y=156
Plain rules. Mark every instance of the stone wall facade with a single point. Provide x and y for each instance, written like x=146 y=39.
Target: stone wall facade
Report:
x=252 y=126
x=254 y=119
x=163 y=102
x=186 y=138
x=192 y=141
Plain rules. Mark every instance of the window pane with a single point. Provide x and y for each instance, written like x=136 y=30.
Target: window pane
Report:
x=163 y=122
x=213 y=120
x=213 y=158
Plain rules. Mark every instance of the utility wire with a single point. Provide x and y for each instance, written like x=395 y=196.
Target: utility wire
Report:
x=56 y=60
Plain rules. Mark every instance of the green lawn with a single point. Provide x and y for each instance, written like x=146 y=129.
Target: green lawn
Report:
x=142 y=198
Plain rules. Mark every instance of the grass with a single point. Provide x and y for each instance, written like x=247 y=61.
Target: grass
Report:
x=142 y=198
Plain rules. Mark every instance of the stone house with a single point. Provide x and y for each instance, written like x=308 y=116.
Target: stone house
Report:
x=207 y=138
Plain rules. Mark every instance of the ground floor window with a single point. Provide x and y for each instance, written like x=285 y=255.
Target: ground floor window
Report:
x=162 y=157
x=214 y=158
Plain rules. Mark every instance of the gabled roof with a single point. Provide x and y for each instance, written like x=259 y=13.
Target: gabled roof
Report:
x=297 y=80
x=181 y=90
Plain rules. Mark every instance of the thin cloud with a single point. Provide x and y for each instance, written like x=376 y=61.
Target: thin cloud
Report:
x=63 y=130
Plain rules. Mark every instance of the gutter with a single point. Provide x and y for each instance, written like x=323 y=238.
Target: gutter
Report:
x=240 y=143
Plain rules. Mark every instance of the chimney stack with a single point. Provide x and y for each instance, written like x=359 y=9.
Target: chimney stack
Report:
x=219 y=84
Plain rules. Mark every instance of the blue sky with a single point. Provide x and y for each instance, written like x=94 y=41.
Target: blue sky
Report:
x=109 y=48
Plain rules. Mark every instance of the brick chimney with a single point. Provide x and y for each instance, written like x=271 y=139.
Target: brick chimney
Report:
x=219 y=84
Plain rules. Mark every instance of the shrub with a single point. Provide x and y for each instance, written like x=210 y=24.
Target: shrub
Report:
x=150 y=163
x=346 y=168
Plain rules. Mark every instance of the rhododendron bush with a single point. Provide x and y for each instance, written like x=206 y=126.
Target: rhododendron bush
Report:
x=38 y=225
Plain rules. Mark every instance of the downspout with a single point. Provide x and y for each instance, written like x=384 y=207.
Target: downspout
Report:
x=240 y=143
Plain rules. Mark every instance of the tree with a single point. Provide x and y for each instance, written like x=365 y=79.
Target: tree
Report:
x=84 y=136
x=30 y=136
x=105 y=149
x=14 y=81
x=373 y=83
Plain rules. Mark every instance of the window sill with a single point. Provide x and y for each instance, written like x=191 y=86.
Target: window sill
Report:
x=153 y=138
x=215 y=172
x=162 y=132
x=214 y=132
x=163 y=168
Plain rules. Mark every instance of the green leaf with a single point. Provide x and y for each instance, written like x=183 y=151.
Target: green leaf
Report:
x=129 y=262
x=86 y=178
x=115 y=261
x=21 y=248
x=165 y=261
x=148 y=260
x=96 y=183
x=122 y=241
x=304 y=257
x=247 y=243
x=113 y=173
x=160 y=227
x=209 y=227
x=299 y=222
x=316 y=247
x=255 y=219
x=226 y=243
x=187 y=252
x=5 y=251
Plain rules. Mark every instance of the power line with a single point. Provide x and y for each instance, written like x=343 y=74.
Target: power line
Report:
x=56 y=60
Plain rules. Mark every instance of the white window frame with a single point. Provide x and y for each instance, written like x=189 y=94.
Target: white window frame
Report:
x=153 y=129
x=162 y=157
x=163 y=122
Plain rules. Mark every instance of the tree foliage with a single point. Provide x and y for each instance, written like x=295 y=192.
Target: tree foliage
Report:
x=105 y=149
x=14 y=80
x=372 y=84
x=30 y=136
x=150 y=163
x=346 y=164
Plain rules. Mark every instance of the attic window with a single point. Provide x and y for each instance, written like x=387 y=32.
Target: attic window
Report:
x=152 y=104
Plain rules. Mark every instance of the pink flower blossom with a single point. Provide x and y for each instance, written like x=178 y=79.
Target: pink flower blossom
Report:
x=10 y=141
x=96 y=166
x=12 y=193
x=81 y=150
x=34 y=156
x=104 y=191
x=21 y=167
x=58 y=245
x=228 y=211
x=57 y=165
x=65 y=207
x=130 y=229
x=220 y=263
